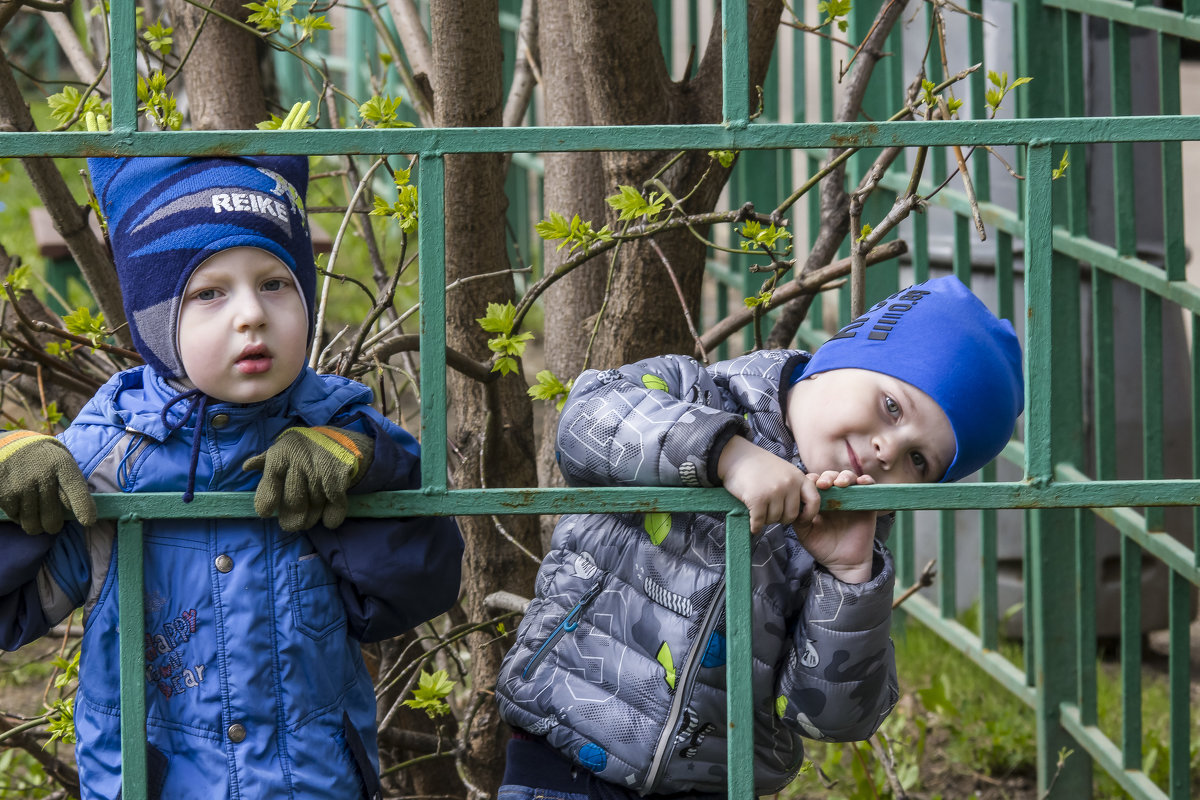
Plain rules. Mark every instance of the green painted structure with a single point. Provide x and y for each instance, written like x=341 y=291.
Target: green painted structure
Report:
x=1068 y=482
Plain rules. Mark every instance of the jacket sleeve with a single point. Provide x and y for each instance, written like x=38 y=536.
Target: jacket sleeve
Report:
x=395 y=573
x=42 y=579
x=658 y=422
x=839 y=681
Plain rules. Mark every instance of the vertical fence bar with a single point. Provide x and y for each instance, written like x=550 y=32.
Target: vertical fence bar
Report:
x=123 y=59
x=738 y=627
x=1122 y=105
x=1152 y=399
x=1052 y=291
x=1085 y=582
x=1175 y=251
x=431 y=190
x=131 y=644
x=735 y=63
x=1179 y=681
x=1131 y=654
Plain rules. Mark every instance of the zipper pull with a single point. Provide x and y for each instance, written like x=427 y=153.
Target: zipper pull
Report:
x=572 y=620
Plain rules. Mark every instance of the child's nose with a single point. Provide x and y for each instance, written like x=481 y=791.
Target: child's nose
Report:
x=250 y=313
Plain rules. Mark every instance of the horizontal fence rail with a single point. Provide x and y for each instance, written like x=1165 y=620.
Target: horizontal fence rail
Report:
x=1048 y=224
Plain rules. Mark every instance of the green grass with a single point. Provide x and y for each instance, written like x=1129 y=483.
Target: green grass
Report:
x=953 y=717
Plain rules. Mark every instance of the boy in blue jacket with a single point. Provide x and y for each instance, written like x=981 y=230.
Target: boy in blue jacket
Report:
x=615 y=687
x=255 y=682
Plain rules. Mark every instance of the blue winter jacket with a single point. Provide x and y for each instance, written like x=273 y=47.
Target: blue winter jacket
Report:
x=255 y=684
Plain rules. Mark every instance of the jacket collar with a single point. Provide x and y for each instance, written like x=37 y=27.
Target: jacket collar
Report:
x=134 y=400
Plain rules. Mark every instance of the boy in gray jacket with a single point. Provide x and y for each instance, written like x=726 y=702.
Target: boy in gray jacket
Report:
x=615 y=687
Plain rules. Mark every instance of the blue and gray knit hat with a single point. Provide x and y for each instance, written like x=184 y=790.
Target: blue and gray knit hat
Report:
x=167 y=215
x=940 y=338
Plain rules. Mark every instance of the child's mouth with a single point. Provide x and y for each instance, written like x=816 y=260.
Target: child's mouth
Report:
x=254 y=360
x=855 y=464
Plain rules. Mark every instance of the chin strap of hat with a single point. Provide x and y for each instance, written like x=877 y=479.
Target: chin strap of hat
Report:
x=197 y=403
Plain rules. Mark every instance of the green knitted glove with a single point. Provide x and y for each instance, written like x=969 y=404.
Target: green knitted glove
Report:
x=306 y=474
x=40 y=481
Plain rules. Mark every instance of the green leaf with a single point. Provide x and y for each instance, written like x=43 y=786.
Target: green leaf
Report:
x=556 y=227
x=577 y=233
x=158 y=36
x=21 y=278
x=269 y=14
x=1061 y=170
x=431 y=692
x=498 y=318
x=68 y=669
x=755 y=235
x=157 y=104
x=866 y=231
x=58 y=350
x=657 y=525
x=404 y=210
x=382 y=111
x=551 y=389
x=53 y=416
x=954 y=104
x=760 y=299
x=81 y=323
x=62 y=721
x=652 y=381
x=309 y=26
x=632 y=205
x=63 y=106
x=724 y=157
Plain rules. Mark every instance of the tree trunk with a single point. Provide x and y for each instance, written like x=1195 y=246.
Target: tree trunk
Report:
x=222 y=76
x=571 y=187
x=625 y=81
x=493 y=421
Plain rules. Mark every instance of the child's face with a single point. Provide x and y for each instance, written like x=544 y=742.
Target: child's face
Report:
x=243 y=329
x=872 y=424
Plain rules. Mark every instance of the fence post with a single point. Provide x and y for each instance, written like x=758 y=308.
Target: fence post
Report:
x=1053 y=408
x=131 y=643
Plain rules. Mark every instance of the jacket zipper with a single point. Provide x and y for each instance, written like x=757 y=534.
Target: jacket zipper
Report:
x=568 y=624
x=683 y=690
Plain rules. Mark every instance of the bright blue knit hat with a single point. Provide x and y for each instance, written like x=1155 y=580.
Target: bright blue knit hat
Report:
x=167 y=215
x=940 y=338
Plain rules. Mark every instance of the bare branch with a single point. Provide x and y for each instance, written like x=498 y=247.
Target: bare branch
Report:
x=808 y=284
x=64 y=33
x=525 y=72
x=417 y=47
x=682 y=301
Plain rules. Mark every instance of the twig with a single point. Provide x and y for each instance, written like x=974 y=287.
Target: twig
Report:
x=37 y=326
x=814 y=281
x=489 y=421
x=862 y=762
x=411 y=342
x=887 y=759
x=924 y=581
x=682 y=301
x=333 y=253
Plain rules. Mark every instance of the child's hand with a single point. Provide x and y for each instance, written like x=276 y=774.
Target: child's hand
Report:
x=40 y=481
x=842 y=541
x=306 y=474
x=772 y=488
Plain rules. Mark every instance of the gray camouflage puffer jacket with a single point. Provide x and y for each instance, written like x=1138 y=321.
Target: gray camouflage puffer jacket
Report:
x=620 y=659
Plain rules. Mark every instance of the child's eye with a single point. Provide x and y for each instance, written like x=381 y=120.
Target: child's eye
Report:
x=274 y=285
x=206 y=294
x=891 y=405
x=919 y=462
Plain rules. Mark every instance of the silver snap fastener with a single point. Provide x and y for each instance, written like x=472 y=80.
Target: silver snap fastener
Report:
x=224 y=563
x=220 y=421
x=237 y=732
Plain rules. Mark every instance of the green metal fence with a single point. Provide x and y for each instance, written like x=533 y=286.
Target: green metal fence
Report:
x=1067 y=481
